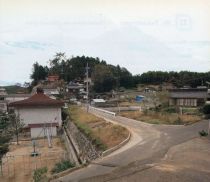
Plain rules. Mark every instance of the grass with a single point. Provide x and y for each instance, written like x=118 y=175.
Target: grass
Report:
x=40 y=175
x=103 y=134
x=161 y=117
x=62 y=166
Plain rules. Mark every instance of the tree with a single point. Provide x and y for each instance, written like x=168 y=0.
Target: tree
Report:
x=103 y=78
x=5 y=135
x=39 y=72
x=16 y=125
x=206 y=109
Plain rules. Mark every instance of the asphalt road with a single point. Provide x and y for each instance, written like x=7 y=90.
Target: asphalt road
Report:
x=148 y=145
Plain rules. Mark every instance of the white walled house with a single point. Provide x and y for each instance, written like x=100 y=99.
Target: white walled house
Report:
x=40 y=114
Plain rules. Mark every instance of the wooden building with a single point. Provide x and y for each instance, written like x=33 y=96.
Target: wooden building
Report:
x=188 y=97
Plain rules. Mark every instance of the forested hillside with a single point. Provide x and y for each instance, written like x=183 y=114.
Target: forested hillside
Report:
x=107 y=77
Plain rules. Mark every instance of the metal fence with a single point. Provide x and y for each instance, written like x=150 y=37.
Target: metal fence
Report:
x=18 y=167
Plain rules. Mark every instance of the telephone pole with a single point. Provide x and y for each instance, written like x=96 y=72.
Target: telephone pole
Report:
x=87 y=86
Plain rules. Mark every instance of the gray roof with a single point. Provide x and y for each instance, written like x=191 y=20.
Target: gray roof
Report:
x=189 y=93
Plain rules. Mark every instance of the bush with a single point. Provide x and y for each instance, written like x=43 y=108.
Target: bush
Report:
x=99 y=145
x=40 y=175
x=203 y=133
x=64 y=114
x=170 y=110
x=62 y=166
x=206 y=109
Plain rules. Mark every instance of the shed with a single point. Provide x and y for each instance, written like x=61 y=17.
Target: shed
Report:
x=98 y=102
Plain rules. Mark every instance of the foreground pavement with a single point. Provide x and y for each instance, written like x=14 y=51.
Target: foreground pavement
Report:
x=147 y=152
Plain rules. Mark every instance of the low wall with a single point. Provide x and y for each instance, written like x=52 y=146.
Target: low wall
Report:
x=72 y=156
x=109 y=151
x=86 y=150
x=102 y=111
x=117 y=109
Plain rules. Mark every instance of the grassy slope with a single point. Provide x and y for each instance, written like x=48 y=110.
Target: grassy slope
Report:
x=103 y=134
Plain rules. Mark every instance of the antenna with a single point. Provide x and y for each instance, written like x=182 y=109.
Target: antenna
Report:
x=87 y=85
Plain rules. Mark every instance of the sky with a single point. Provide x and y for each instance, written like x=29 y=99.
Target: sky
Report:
x=140 y=35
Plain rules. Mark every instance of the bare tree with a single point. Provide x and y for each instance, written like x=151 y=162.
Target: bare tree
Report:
x=17 y=125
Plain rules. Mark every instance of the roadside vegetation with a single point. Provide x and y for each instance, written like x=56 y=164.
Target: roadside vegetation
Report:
x=40 y=175
x=62 y=166
x=103 y=134
x=162 y=117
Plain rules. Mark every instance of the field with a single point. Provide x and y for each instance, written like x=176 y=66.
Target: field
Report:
x=103 y=133
x=18 y=165
x=161 y=117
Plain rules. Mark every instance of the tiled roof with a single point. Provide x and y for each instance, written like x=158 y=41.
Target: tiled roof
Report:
x=38 y=99
x=188 y=93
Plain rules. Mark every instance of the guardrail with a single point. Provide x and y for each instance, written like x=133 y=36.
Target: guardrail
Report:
x=102 y=110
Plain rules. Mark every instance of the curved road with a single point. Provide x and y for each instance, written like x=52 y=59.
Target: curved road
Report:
x=148 y=146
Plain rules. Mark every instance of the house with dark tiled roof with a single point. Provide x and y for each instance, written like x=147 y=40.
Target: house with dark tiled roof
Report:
x=39 y=113
x=189 y=97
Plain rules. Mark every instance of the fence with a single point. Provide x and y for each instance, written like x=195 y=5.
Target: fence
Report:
x=94 y=109
x=21 y=167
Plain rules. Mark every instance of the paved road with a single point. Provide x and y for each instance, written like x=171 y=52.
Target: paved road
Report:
x=148 y=145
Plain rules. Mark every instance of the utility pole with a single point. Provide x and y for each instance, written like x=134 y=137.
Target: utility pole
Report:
x=87 y=86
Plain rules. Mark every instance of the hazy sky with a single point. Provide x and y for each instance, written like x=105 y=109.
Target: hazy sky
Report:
x=139 y=35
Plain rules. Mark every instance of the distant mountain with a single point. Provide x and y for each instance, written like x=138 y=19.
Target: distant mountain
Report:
x=6 y=83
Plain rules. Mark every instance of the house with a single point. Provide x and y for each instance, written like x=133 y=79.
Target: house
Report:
x=189 y=97
x=73 y=87
x=40 y=114
x=3 y=106
x=51 y=90
x=98 y=102
x=3 y=103
x=7 y=98
x=3 y=92
x=52 y=78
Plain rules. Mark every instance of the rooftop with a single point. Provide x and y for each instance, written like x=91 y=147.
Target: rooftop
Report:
x=38 y=99
x=189 y=93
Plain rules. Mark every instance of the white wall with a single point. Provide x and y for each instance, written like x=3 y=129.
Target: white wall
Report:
x=39 y=132
x=3 y=106
x=34 y=115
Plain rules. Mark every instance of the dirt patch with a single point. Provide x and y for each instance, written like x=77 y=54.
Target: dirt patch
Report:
x=18 y=165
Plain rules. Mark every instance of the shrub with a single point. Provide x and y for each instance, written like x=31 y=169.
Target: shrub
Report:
x=62 y=166
x=99 y=145
x=40 y=175
x=170 y=110
x=203 y=133
x=64 y=114
x=178 y=121
x=206 y=109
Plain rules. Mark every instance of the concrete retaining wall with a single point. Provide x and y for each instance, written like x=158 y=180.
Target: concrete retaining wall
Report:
x=86 y=150
x=72 y=156
x=109 y=151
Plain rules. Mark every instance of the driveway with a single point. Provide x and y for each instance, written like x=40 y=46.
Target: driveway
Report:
x=149 y=147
